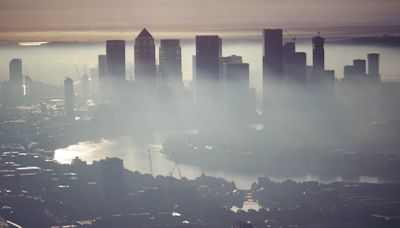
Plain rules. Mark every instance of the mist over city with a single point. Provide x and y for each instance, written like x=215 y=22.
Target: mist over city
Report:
x=186 y=114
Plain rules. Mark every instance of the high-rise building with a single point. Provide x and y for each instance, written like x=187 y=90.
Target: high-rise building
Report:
x=373 y=66
x=16 y=72
x=115 y=58
x=208 y=55
x=272 y=67
x=69 y=98
x=233 y=59
x=348 y=72
x=102 y=66
x=237 y=90
x=112 y=177
x=16 y=80
x=295 y=68
x=145 y=60
x=289 y=48
x=273 y=55
x=359 y=67
x=171 y=63
x=318 y=53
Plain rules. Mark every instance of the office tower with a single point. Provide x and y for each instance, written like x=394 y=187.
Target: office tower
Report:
x=102 y=67
x=272 y=67
x=69 y=98
x=237 y=90
x=171 y=63
x=295 y=68
x=208 y=54
x=145 y=60
x=289 y=48
x=231 y=59
x=273 y=55
x=294 y=64
x=112 y=178
x=115 y=60
x=227 y=88
x=16 y=80
x=373 y=66
x=359 y=67
x=16 y=72
x=318 y=53
x=348 y=71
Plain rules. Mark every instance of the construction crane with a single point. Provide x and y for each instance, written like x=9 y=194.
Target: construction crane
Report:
x=78 y=73
x=150 y=162
x=176 y=165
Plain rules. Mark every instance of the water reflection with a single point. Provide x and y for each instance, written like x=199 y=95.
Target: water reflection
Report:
x=136 y=157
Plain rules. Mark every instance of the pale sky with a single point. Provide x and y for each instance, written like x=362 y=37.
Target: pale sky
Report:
x=182 y=15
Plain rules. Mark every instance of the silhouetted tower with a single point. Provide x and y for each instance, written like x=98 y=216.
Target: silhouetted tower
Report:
x=373 y=66
x=171 y=63
x=145 y=60
x=112 y=178
x=208 y=55
x=102 y=66
x=231 y=59
x=237 y=90
x=289 y=49
x=273 y=55
x=318 y=53
x=16 y=80
x=348 y=72
x=296 y=68
x=272 y=66
x=359 y=67
x=115 y=55
x=69 y=98
x=16 y=76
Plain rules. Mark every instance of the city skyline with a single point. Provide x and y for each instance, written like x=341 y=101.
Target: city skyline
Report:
x=195 y=114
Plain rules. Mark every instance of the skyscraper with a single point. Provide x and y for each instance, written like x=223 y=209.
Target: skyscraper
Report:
x=16 y=72
x=373 y=66
x=171 y=63
x=296 y=68
x=145 y=60
x=288 y=50
x=318 y=53
x=13 y=89
x=237 y=90
x=69 y=98
x=102 y=66
x=208 y=54
x=115 y=56
x=273 y=55
x=359 y=67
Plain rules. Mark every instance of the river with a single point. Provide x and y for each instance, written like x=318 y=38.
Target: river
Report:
x=136 y=157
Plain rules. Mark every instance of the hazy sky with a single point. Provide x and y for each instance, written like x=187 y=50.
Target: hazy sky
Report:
x=181 y=15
